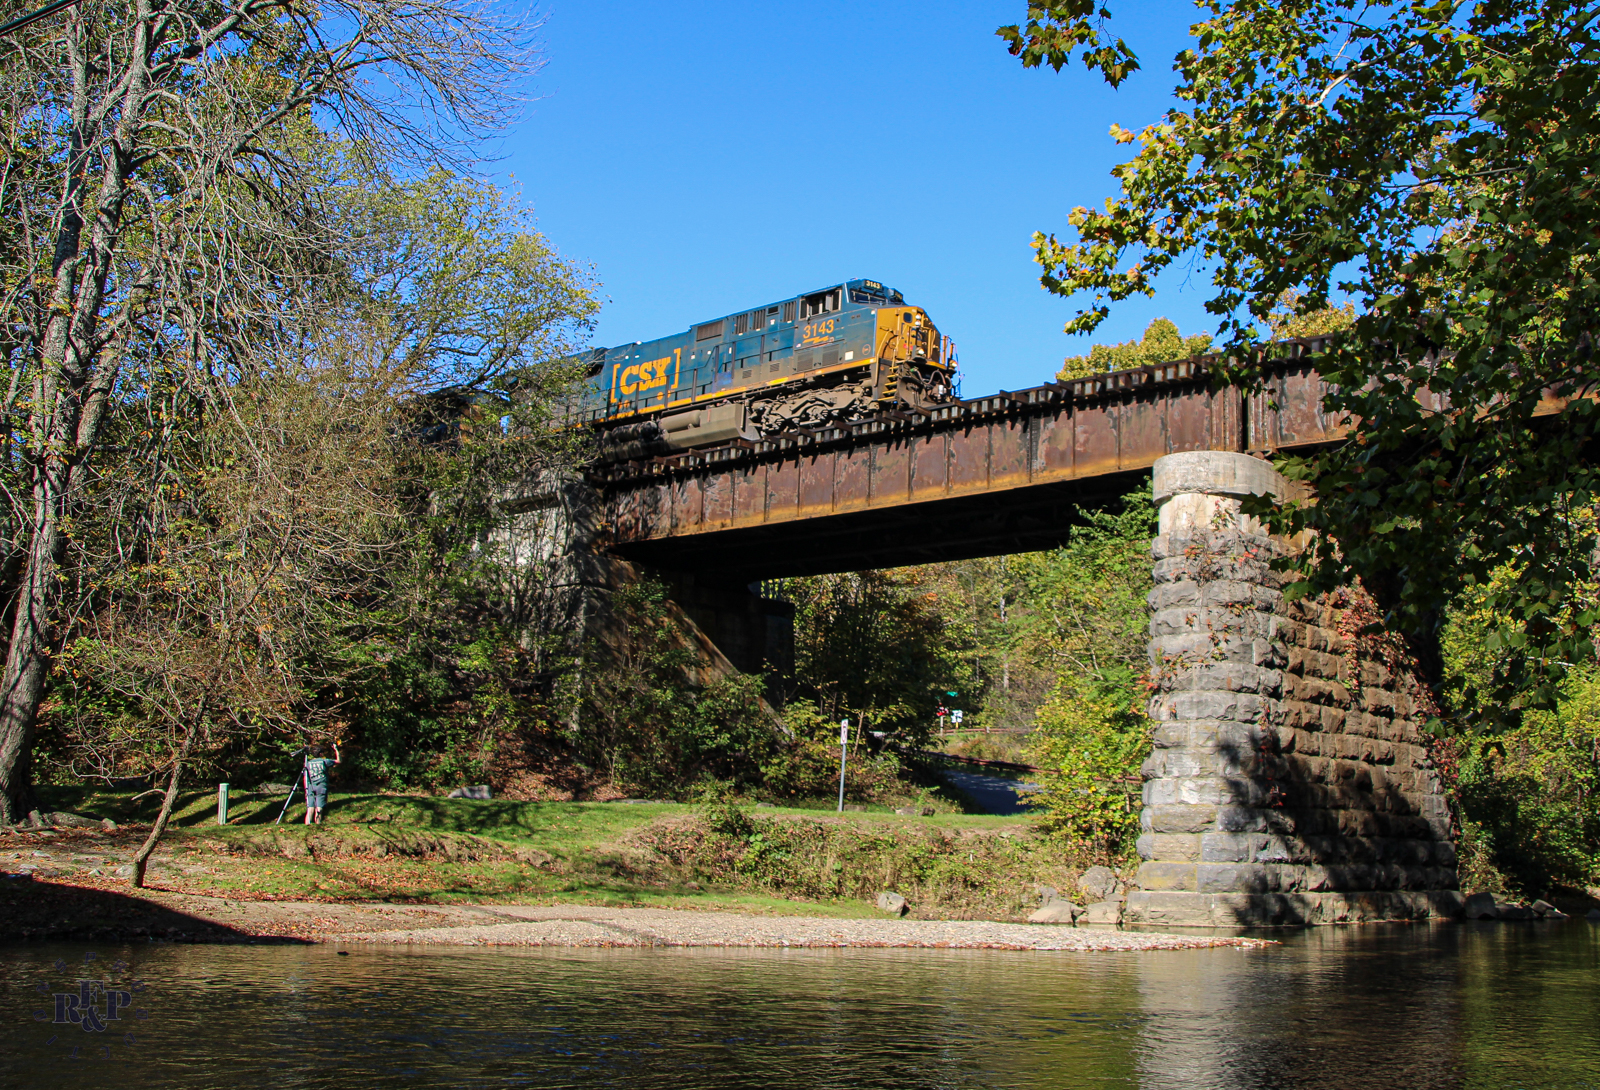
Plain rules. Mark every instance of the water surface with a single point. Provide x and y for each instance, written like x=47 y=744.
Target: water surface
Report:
x=1436 y=1006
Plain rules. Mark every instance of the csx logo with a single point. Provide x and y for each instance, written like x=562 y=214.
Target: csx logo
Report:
x=649 y=375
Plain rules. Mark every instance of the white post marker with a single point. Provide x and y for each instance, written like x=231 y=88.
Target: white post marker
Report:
x=844 y=751
x=222 y=804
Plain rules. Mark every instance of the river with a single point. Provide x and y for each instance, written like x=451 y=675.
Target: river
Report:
x=1428 y=1006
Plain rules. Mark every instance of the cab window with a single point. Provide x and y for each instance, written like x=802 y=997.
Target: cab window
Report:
x=823 y=302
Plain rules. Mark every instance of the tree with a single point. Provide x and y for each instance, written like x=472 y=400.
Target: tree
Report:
x=653 y=730
x=277 y=506
x=160 y=218
x=1434 y=163
x=872 y=646
x=1161 y=343
x=329 y=534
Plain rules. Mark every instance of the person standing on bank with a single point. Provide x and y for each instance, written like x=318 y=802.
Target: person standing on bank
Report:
x=316 y=781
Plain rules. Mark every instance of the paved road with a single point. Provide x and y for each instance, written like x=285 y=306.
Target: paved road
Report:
x=993 y=794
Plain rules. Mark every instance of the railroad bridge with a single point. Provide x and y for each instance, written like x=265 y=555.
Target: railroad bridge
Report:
x=1290 y=780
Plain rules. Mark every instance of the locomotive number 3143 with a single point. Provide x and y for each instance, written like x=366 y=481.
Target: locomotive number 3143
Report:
x=815 y=331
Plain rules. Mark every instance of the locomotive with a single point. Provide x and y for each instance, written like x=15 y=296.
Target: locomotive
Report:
x=818 y=359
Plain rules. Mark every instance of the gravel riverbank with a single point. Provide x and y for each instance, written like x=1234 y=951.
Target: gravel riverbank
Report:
x=103 y=909
x=574 y=925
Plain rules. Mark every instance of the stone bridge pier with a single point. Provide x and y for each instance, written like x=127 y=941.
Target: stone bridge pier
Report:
x=1290 y=780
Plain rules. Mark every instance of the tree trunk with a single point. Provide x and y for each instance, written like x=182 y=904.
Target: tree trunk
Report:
x=141 y=859
x=70 y=399
x=27 y=664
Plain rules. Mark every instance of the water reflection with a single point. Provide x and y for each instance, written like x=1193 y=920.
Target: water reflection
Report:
x=1335 y=1007
x=1430 y=1006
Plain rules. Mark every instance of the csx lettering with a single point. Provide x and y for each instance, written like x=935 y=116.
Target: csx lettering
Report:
x=649 y=375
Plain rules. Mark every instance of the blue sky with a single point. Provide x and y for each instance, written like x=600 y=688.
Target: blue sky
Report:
x=710 y=156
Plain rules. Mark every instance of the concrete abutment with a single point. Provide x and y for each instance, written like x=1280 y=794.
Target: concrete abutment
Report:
x=566 y=592
x=1290 y=780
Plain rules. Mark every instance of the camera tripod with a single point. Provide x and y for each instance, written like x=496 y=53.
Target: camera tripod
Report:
x=299 y=779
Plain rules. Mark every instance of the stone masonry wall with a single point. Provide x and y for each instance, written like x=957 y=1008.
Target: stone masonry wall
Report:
x=1290 y=780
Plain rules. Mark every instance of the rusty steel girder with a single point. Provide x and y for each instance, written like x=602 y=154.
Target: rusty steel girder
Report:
x=1005 y=473
x=1008 y=472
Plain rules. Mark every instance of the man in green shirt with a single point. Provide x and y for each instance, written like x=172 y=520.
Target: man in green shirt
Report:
x=316 y=782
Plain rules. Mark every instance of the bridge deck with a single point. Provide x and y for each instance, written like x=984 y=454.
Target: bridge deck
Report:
x=1005 y=473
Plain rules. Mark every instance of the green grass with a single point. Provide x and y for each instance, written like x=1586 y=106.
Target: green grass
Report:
x=537 y=823
x=418 y=849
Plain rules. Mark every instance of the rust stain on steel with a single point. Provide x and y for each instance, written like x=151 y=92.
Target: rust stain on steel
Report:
x=816 y=483
x=1192 y=425
x=783 y=490
x=1141 y=428
x=969 y=459
x=1094 y=440
x=1009 y=455
x=685 y=505
x=1049 y=435
x=852 y=478
x=749 y=494
x=717 y=498
x=929 y=465
x=891 y=471
x=1056 y=445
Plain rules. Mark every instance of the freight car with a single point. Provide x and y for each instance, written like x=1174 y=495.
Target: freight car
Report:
x=825 y=357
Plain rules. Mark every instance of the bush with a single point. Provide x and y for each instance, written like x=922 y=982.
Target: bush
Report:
x=807 y=765
x=949 y=872
x=1528 y=797
x=1094 y=742
x=653 y=731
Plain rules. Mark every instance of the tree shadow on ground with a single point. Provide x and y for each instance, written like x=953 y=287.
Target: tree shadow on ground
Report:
x=32 y=910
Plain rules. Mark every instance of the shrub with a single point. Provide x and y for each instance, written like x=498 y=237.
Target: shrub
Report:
x=1093 y=742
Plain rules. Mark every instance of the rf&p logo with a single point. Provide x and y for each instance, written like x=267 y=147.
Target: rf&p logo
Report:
x=91 y=1008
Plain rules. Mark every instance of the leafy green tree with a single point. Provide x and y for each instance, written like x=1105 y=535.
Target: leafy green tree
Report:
x=1089 y=622
x=652 y=730
x=1161 y=343
x=275 y=513
x=871 y=646
x=414 y=646
x=1433 y=162
x=159 y=219
x=1527 y=797
x=1092 y=739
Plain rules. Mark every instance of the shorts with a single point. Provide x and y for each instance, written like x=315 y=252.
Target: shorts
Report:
x=317 y=797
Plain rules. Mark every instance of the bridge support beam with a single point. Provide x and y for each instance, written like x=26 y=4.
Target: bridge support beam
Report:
x=1290 y=780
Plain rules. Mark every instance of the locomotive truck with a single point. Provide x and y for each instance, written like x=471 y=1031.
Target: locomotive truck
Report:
x=825 y=357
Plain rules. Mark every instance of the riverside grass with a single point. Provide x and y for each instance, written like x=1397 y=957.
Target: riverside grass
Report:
x=412 y=849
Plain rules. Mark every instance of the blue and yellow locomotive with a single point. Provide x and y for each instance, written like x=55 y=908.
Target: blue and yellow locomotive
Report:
x=826 y=357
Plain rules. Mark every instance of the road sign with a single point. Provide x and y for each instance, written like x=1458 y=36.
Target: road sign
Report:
x=955 y=717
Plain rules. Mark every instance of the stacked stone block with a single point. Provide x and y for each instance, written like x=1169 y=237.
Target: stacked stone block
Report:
x=1290 y=780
